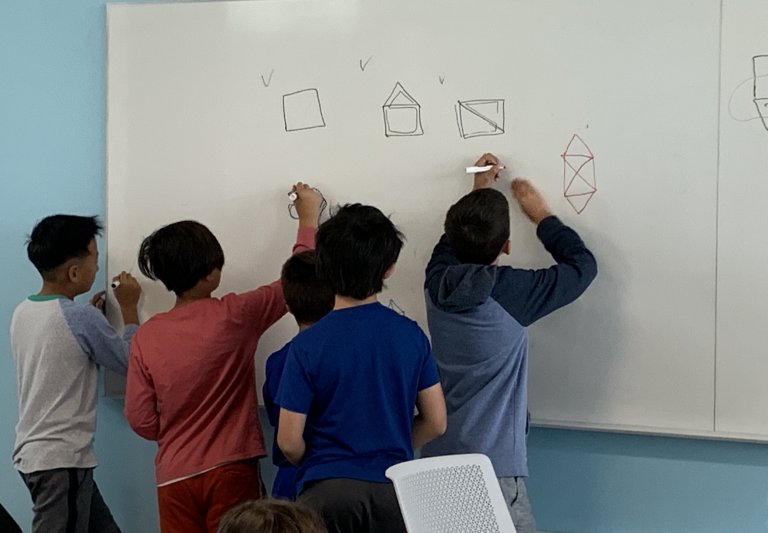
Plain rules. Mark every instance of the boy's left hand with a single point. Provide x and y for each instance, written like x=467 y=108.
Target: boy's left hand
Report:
x=98 y=300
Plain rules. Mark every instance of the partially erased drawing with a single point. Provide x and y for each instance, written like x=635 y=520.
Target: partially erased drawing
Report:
x=402 y=114
x=477 y=118
x=393 y=305
x=579 y=184
x=760 y=87
x=302 y=110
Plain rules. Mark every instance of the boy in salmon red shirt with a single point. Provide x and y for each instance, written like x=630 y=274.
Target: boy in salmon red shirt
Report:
x=191 y=383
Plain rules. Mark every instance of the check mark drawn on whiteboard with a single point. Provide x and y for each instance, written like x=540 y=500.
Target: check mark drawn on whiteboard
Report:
x=363 y=65
x=267 y=81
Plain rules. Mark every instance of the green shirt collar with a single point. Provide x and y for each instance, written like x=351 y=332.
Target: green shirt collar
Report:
x=45 y=297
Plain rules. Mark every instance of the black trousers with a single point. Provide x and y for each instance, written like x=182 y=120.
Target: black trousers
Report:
x=353 y=506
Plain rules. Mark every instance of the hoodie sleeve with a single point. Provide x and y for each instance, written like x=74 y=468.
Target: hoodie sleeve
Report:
x=528 y=295
x=442 y=258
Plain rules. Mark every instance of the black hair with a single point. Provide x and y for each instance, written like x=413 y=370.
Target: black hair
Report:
x=355 y=247
x=180 y=255
x=58 y=238
x=309 y=298
x=477 y=226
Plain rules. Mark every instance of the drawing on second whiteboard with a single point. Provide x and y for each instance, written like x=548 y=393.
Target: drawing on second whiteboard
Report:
x=579 y=184
x=302 y=110
x=742 y=104
x=393 y=305
x=323 y=205
x=760 y=87
x=477 y=118
x=402 y=114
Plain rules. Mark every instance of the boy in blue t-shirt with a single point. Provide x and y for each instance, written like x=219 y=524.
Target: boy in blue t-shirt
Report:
x=478 y=315
x=352 y=380
x=309 y=299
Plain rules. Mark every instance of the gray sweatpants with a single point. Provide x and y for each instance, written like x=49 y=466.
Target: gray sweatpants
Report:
x=67 y=500
x=516 y=496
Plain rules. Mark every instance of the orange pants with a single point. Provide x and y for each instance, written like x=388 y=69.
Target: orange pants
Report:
x=196 y=504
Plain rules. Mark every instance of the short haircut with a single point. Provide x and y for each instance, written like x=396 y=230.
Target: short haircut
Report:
x=477 y=226
x=355 y=247
x=270 y=516
x=58 y=238
x=309 y=298
x=180 y=255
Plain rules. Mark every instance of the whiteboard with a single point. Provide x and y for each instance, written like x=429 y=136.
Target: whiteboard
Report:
x=742 y=365
x=215 y=109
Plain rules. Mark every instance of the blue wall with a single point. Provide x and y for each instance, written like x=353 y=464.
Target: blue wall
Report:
x=52 y=159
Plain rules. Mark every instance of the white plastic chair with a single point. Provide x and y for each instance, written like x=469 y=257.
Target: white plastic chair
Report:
x=451 y=494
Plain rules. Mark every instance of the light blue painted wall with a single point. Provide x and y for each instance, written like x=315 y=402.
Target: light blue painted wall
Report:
x=52 y=159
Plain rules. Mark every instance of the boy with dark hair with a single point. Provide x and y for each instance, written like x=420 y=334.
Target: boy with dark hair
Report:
x=478 y=314
x=351 y=382
x=191 y=383
x=58 y=345
x=309 y=299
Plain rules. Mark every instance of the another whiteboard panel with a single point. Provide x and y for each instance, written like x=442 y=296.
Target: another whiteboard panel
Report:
x=197 y=129
x=742 y=353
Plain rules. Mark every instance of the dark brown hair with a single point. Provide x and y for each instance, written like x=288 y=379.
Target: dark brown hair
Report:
x=270 y=516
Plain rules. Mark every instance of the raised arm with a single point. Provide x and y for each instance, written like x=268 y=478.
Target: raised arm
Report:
x=531 y=294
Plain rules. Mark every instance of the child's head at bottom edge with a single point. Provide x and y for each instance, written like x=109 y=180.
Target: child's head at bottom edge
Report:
x=270 y=516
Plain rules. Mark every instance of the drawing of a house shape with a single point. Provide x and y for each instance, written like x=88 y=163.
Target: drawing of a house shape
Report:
x=579 y=184
x=480 y=117
x=402 y=114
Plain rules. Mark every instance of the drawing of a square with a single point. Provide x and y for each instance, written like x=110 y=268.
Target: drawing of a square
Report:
x=302 y=110
x=477 y=118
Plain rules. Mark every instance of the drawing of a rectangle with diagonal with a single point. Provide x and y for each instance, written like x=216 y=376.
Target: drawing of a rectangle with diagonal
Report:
x=402 y=114
x=477 y=118
x=302 y=110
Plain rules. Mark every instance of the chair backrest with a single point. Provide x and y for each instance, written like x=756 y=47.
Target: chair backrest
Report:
x=451 y=494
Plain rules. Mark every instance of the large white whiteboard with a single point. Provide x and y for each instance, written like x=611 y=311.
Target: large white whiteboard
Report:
x=216 y=108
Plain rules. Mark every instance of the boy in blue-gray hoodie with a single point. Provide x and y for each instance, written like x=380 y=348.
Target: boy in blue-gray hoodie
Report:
x=478 y=315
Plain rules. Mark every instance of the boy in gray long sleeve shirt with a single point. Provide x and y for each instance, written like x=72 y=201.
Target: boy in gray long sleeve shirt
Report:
x=57 y=346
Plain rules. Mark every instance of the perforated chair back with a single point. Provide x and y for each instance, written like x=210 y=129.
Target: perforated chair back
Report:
x=451 y=494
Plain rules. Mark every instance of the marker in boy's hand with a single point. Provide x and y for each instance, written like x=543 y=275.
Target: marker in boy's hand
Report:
x=127 y=292
x=530 y=200
x=98 y=300
x=307 y=204
x=484 y=180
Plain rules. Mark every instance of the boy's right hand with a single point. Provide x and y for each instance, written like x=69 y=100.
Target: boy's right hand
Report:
x=307 y=204
x=128 y=292
x=484 y=180
x=530 y=200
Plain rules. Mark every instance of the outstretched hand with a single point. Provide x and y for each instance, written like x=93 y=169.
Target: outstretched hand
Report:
x=530 y=200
